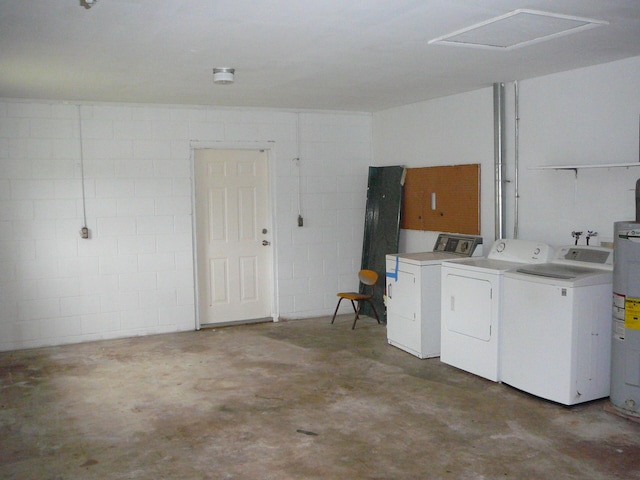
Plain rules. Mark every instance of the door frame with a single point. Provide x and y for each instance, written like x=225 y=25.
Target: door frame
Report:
x=260 y=146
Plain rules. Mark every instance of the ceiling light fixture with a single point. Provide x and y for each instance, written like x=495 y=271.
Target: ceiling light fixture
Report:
x=223 y=76
x=88 y=3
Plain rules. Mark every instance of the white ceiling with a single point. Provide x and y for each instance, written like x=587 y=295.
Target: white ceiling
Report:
x=358 y=55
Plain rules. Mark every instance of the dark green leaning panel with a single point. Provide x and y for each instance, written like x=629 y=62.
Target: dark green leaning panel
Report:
x=381 y=227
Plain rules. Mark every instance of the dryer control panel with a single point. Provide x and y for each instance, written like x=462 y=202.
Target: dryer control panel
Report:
x=523 y=251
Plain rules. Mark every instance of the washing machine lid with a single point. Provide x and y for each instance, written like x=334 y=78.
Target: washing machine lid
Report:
x=552 y=270
x=573 y=262
x=566 y=275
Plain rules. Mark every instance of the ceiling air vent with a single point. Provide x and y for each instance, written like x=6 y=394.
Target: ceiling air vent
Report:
x=517 y=29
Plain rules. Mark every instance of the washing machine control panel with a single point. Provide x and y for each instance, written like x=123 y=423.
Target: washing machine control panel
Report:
x=585 y=256
x=460 y=244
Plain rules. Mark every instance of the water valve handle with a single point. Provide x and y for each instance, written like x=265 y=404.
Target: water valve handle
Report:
x=576 y=235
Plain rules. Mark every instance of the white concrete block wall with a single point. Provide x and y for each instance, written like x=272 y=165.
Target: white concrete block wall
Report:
x=135 y=275
x=335 y=155
x=587 y=116
x=446 y=131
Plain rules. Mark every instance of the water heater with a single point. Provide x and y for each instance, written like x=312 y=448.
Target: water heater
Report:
x=625 y=347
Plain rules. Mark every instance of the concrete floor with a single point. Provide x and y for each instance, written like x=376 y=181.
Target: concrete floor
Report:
x=290 y=400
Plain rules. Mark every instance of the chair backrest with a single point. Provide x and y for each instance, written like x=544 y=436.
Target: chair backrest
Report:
x=368 y=277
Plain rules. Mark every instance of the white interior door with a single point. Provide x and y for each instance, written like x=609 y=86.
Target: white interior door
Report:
x=233 y=234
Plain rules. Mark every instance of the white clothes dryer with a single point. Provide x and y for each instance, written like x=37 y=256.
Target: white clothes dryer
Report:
x=556 y=335
x=413 y=293
x=471 y=304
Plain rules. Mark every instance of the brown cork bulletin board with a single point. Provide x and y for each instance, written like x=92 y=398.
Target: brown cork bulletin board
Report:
x=442 y=199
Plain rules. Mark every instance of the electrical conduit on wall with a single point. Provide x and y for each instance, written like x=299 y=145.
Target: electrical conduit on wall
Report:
x=499 y=149
x=516 y=158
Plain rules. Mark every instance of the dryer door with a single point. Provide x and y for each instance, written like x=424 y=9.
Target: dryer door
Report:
x=467 y=306
x=403 y=324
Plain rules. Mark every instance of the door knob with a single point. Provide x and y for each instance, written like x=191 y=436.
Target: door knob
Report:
x=265 y=243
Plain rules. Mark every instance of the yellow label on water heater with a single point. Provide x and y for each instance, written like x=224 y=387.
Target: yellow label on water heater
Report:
x=632 y=313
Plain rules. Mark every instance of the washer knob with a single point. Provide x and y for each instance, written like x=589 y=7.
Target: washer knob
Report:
x=500 y=247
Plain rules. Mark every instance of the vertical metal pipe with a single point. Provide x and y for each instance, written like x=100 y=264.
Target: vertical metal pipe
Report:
x=499 y=150
x=638 y=200
x=516 y=158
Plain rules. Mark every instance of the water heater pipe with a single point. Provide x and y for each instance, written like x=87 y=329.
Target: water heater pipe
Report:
x=499 y=150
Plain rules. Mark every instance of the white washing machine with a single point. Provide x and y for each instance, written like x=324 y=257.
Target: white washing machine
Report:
x=472 y=302
x=556 y=329
x=413 y=293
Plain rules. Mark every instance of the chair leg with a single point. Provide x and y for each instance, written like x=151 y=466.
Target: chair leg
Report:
x=357 y=314
x=336 y=312
x=356 y=311
x=374 y=311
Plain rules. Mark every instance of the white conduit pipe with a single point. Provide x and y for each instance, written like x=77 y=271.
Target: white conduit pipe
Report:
x=499 y=149
x=516 y=157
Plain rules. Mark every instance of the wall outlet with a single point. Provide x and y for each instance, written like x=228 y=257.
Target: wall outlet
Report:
x=84 y=232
